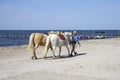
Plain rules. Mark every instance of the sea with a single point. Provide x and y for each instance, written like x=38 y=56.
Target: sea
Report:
x=21 y=37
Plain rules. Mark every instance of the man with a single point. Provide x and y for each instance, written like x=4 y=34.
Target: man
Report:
x=75 y=39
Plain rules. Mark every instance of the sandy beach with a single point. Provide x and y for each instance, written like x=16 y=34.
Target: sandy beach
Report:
x=96 y=60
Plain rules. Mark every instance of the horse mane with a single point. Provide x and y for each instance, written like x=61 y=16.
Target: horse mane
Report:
x=52 y=32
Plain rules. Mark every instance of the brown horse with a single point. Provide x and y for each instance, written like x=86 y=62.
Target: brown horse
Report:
x=36 y=40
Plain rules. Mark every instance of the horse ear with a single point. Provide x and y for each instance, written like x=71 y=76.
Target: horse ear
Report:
x=47 y=34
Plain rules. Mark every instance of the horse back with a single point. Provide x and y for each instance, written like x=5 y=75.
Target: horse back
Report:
x=56 y=41
x=40 y=39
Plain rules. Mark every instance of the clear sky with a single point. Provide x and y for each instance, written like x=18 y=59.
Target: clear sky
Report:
x=59 y=14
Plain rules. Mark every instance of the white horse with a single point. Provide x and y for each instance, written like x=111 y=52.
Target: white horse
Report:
x=54 y=41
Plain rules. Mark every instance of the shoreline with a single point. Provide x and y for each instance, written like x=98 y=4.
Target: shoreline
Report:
x=80 y=41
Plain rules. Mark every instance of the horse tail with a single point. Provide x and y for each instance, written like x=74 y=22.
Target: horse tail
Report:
x=31 y=43
x=47 y=45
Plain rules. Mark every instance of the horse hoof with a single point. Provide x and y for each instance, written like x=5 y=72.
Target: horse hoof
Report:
x=75 y=53
x=54 y=57
x=44 y=57
x=34 y=58
x=70 y=55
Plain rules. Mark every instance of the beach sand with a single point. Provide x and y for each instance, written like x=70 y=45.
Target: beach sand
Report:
x=96 y=60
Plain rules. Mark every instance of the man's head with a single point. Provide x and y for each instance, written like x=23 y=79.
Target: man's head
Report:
x=74 y=32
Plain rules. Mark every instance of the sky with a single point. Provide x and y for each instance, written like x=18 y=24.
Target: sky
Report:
x=59 y=14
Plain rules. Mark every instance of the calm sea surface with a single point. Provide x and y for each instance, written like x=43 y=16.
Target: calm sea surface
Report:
x=21 y=37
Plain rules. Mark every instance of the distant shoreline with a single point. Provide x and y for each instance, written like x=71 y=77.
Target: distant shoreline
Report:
x=80 y=41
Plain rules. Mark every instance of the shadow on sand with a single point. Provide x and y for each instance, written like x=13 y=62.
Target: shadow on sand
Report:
x=65 y=56
x=62 y=56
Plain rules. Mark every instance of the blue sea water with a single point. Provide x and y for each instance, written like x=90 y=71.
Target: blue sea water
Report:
x=21 y=37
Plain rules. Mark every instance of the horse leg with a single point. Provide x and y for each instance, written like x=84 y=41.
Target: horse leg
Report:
x=34 y=55
x=53 y=51
x=59 y=51
x=68 y=50
x=34 y=50
x=45 y=51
